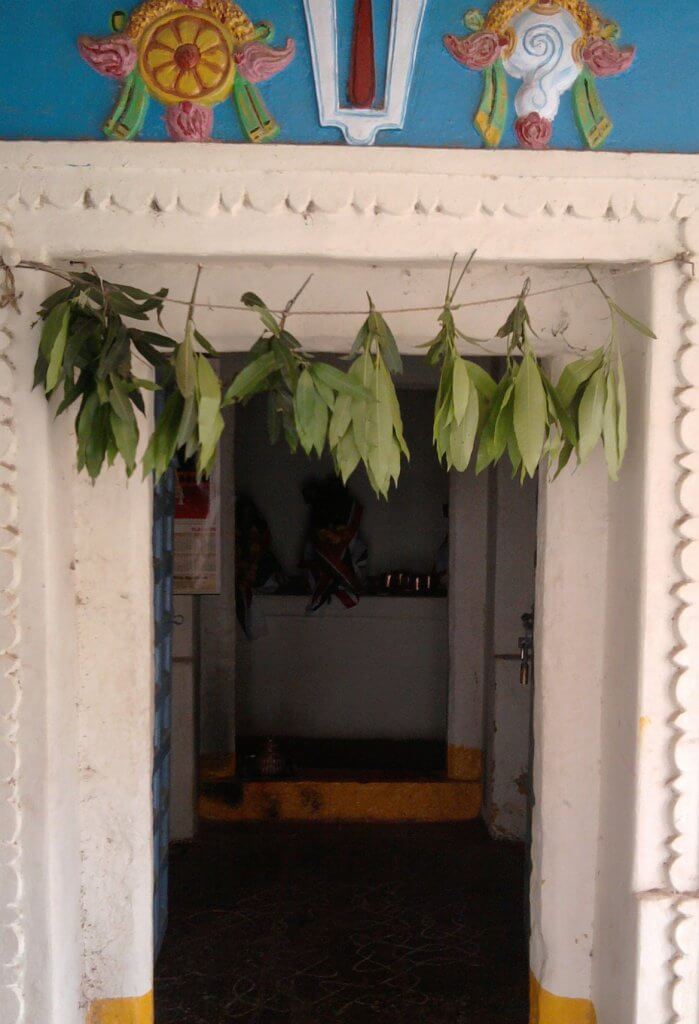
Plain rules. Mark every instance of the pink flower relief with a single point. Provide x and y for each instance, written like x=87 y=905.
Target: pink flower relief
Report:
x=113 y=56
x=477 y=51
x=194 y=5
x=604 y=58
x=189 y=122
x=533 y=131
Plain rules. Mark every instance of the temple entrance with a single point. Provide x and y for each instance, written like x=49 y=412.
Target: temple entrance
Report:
x=358 y=741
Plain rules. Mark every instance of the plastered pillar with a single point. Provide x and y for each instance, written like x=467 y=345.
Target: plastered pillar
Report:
x=569 y=646
x=114 y=623
x=468 y=532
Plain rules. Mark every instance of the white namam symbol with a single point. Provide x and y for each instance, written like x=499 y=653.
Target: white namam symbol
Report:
x=544 y=58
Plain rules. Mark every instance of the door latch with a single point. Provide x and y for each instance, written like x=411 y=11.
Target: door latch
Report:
x=525 y=651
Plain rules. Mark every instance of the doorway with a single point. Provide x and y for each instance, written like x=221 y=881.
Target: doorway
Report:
x=360 y=842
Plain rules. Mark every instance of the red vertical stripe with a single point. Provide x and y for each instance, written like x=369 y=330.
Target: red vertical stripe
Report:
x=361 y=89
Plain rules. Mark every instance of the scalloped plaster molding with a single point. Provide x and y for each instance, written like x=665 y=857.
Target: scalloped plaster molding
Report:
x=11 y=924
x=69 y=200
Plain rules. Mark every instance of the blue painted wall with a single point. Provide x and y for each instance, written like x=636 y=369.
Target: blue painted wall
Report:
x=49 y=93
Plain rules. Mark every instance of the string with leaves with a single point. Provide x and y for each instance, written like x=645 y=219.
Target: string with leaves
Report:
x=88 y=347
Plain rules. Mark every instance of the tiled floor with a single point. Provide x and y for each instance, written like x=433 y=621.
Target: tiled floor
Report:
x=276 y=923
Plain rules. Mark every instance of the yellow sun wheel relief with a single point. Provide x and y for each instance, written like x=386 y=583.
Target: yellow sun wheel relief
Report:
x=187 y=56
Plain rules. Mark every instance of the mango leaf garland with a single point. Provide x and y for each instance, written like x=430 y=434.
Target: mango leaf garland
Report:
x=366 y=424
x=463 y=398
x=302 y=393
x=85 y=356
x=593 y=392
x=526 y=419
x=89 y=341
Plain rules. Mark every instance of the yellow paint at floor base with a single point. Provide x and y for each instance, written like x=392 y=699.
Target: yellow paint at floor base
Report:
x=347 y=800
x=216 y=767
x=546 y=1008
x=465 y=763
x=135 y=1010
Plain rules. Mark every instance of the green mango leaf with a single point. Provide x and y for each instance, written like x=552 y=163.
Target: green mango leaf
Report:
x=562 y=417
x=481 y=380
x=341 y=382
x=591 y=414
x=610 y=429
x=361 y=341
x=389 y=392
x=463 y=435
x=163 y=443
x=461 y=389
x=529 y=418
x=188 y=422
x=504 y=427
x=152 y=338
x=250 y=378
x=268 y=318
x=53 y=324
x=636 y=324
x=326 y=393
x=576 y=374
x=207 y=454
x=54 y=338
x=206 y=345
x=185 y=368
x=119 y=400
x=387 y=345
x=305 y=401
x=567 y=450
x=622 y=425
x=209 y=420
x=84 y=423
x=320 y=426
x=340 y=420
x=286 y=361
x=126 y=438
x=141 y=384
x=347 y=456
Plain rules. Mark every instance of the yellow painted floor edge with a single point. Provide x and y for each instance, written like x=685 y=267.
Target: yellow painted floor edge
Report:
x=319 y=800
x=131 y=1010
x=547 y=1008
x=465 y=763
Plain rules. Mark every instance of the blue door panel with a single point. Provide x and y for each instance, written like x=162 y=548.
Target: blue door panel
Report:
x=163 y=533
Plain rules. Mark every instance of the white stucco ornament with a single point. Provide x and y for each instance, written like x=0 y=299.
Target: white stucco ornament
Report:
x=544 y=58
x=551 y=47
x=361 y=114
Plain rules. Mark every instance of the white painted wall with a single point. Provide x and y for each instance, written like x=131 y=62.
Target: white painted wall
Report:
x=376 y=671
x=468 y=611
x=507 y=719
x=359 y=679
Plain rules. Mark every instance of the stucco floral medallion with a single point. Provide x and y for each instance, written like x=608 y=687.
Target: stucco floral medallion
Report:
x=551 y=48
x=189 y=55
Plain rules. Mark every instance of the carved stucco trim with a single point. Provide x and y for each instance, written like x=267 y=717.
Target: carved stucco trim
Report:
x=218 y=179
x=11 y=925
x=683 y=863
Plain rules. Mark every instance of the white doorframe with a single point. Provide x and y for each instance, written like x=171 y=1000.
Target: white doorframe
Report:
x=75 y=732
